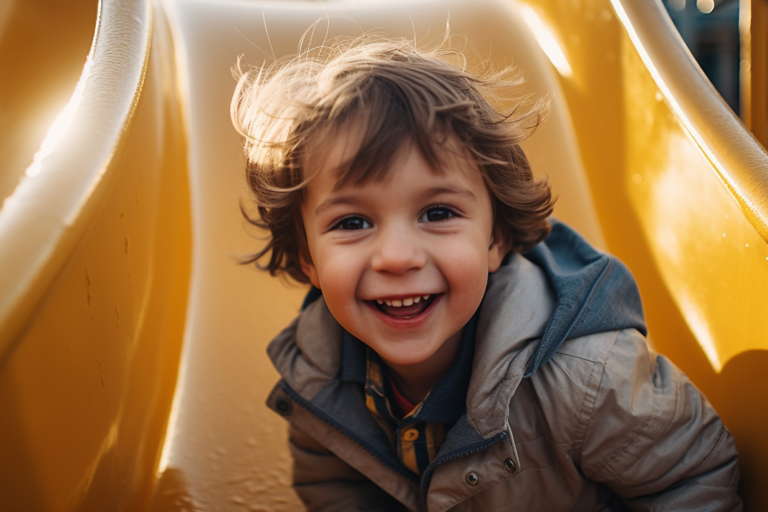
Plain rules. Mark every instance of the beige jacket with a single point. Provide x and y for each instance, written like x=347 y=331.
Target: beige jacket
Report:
x=606 y=424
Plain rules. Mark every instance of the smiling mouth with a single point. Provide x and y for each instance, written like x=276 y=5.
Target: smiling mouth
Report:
x=405 y=308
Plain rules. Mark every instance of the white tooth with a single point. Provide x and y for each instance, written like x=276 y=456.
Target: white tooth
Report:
x=397 y=303
x=425 y=297
x=388 y=302
x=380 y=301
x=407 y=302
x=416 y=300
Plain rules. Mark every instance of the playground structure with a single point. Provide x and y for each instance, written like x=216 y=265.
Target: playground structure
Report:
x=132 y=366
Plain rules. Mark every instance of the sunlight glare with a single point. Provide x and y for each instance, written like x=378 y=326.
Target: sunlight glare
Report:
x=60 y=125
x=547 y=41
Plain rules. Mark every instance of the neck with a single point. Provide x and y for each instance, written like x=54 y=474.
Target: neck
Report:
x=415 y=381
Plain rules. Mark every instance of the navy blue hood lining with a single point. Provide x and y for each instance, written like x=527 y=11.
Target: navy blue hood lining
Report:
x=595 y=292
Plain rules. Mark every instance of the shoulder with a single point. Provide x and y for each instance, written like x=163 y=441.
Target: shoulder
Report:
x=632 y=420
x=582 y=362
x=565 y=389
x=616 y=367
x=583 y=372
x=640 y=418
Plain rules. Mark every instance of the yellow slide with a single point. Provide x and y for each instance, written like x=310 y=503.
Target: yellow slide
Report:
x=132 y=366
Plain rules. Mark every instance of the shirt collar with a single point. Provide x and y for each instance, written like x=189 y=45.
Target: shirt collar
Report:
x=447 y=401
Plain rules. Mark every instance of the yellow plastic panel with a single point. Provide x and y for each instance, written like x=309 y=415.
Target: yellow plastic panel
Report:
x=95 y=266
x=96 y=255
x=712 y=259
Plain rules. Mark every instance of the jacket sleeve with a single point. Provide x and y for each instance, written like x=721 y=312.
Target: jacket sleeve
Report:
x=654 y=439
x=326 y=483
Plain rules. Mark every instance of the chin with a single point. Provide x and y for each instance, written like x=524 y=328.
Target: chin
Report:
x=407 y=359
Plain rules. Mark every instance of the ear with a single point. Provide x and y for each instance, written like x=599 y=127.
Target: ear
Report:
x=310 y=271
x=498 y=249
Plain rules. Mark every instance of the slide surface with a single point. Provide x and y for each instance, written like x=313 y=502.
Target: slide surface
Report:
x=132 y=364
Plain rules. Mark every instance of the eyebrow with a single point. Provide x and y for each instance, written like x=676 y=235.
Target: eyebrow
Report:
x=461 y=191
x=333 y=201
x=351 y=199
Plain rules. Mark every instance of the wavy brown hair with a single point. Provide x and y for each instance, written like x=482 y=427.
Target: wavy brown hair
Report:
x=393 y=94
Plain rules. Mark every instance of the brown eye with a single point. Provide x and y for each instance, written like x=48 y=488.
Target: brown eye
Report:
x=352 y=223
x=436 y=214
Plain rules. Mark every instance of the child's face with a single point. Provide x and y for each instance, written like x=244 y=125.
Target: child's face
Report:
x=415 y=234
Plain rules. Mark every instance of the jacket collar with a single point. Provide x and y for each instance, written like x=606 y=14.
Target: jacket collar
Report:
x=595 y=292
x=517 y=306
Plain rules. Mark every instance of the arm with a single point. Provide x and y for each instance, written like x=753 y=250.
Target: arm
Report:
x=326 y=483
x=655 y=439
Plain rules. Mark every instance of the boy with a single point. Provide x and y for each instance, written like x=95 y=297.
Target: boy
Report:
x=457 y=351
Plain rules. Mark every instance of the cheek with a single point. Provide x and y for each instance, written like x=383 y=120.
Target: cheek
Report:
x=466 y=266
x=338 y=275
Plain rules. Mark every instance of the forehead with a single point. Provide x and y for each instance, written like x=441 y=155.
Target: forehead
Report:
x=347 y=158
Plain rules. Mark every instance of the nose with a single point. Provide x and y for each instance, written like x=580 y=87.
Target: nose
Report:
x=398 y=251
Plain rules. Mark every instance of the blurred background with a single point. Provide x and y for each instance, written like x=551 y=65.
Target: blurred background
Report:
x=710 y=28
x=718 y=33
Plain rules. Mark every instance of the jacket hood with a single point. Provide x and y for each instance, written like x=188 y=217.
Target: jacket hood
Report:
x=595 y=292
x=560 y=290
